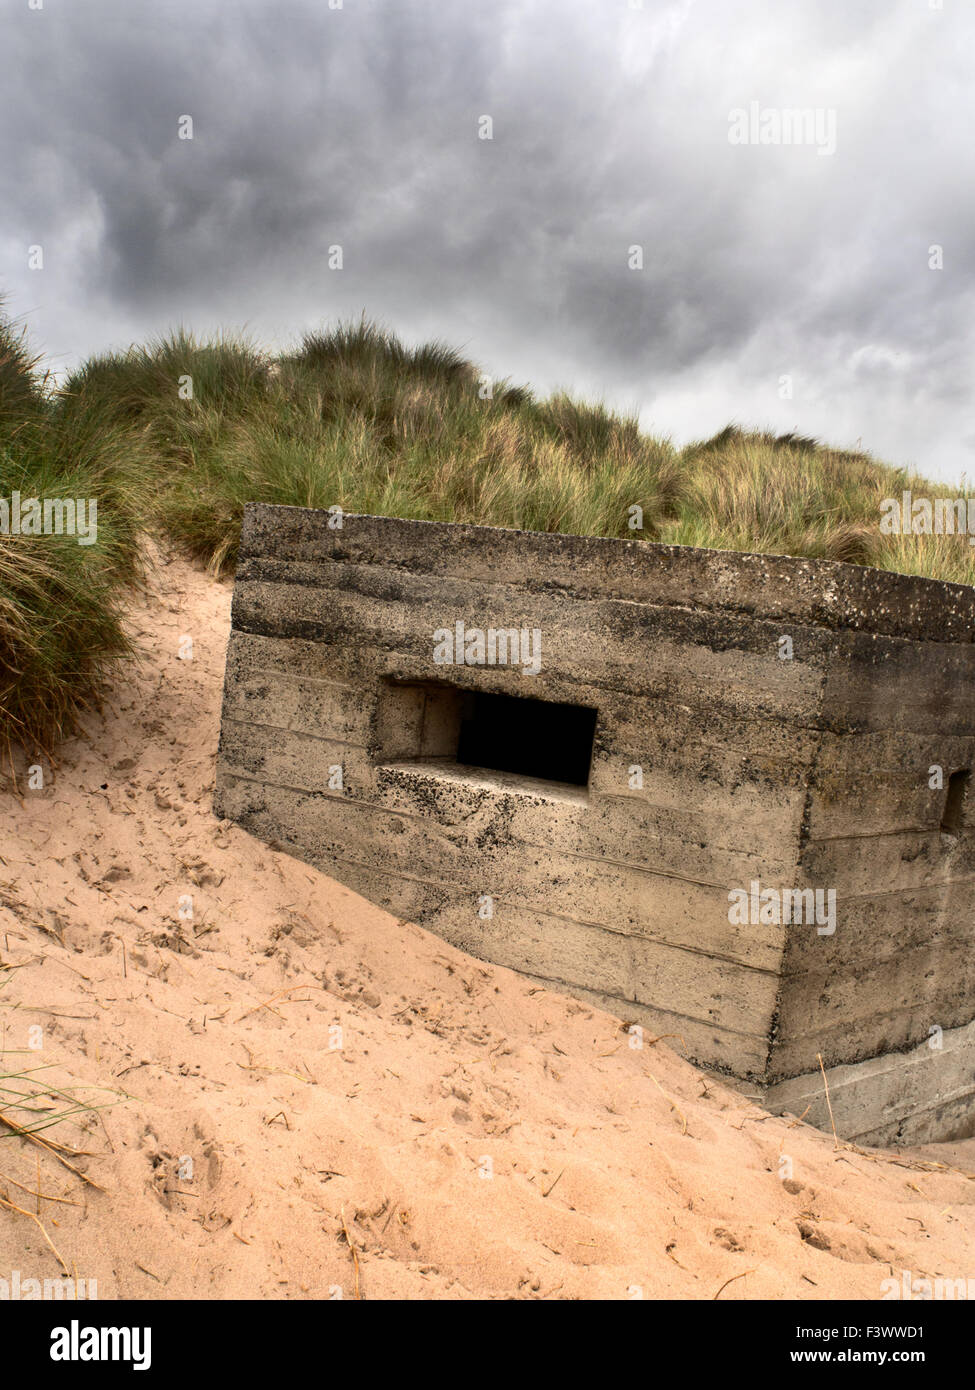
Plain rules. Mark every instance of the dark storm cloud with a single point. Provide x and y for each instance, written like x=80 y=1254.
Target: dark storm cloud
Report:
x=358 y=126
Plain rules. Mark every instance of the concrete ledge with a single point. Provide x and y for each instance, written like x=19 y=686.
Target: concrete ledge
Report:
x=823 y=592
x=913 y=1097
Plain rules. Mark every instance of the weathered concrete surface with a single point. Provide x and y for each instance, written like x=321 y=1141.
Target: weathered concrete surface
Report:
x=918 y=1096
x=809 y=771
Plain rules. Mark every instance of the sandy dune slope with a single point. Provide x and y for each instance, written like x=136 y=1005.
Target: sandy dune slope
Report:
x=303 y=1096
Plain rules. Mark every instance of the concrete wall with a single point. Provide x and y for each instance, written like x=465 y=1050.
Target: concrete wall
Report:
x=805 y=771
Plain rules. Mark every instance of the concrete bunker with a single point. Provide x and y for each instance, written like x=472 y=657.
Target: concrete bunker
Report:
x=621 y=768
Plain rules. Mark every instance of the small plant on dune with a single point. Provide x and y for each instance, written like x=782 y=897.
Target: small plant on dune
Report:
x=29 y=1113
x=27 y=1108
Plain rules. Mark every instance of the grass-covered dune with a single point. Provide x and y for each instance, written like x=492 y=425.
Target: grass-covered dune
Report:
x=61 y=603
x=173 y=439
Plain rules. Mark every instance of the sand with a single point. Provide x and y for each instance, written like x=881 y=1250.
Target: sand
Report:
x=302 y=1097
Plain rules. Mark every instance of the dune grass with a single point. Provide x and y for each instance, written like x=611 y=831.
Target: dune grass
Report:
x=353 y=417
x=61 y=603
x=176 y=436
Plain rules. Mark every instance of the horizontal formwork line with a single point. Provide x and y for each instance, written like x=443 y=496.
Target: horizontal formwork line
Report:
x=631 y=865
x=873 y=835
x=298 y=733
x=370 y=616
x=679 y=811
x=572 y=591
x=731 y=707
x=718 y=747
x=744 y=716
x=676 y=701
x=373 y=807
x=811 y=1081
x=841 y=970
x=912 y=889
x=549 y=588
x=257 y=672
x=522 y=907
x=818 y=1038
x=599 y=926
x=430 y=590
x=645 y=1004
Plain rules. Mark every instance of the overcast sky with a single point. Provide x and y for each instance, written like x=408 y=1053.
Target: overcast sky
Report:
x=361 y=127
